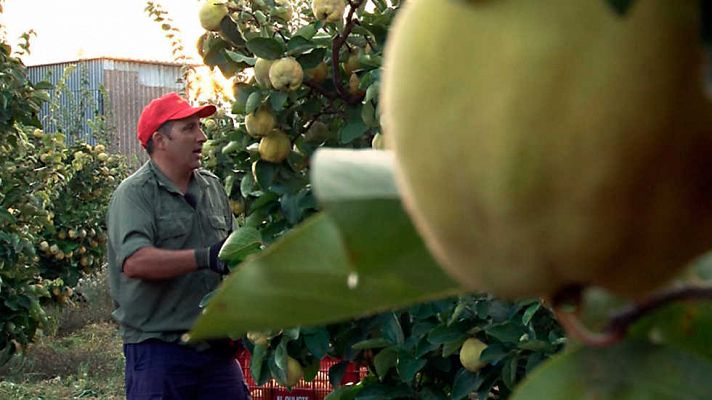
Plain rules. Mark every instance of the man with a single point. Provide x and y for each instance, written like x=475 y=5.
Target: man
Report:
x=166 y=224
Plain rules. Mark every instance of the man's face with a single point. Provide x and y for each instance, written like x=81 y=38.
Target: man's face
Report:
x=183 y=143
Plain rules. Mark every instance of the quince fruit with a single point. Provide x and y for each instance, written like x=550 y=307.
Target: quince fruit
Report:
x=317 y=74
x=260 y=123
x=328 y=11
x=262 y=67
x=566 y=144
x=354 y=83
x=352 y=62
x=258 y=338
x=283 y=10
x=286 y=74
x=470 y=354
x=211 y=14
x=275 y=147
x=295 y=372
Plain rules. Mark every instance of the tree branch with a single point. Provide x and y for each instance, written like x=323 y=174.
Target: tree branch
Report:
x=622 y=319
x=336 y=45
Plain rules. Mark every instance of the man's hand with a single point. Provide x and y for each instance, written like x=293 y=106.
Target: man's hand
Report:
x=207 y=258
x=216 y=264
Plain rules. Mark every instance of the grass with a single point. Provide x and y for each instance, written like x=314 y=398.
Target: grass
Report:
x=78 y=357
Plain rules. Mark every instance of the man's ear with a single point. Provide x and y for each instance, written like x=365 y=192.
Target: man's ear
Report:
x=158 y=139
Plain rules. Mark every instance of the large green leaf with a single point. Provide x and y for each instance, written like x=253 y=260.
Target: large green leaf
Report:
x=268 y=48
x=630 y=370
x=358 y=257
x=686 y=325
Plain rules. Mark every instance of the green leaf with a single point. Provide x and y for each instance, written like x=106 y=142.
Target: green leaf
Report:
x=385 y=360
x=240 y=58
x=298 y=45
x=265 y=173
x=391 y=328
x=368 y=115
x=277 y=100
x=253 y=102
x=353 y=130
x=529 y=312
x=44 y=85
x=336 y=373
x=465 y=383
x=6 y=217
x=239 y=244
x=268 y=48
x=408 y=365
x=372 y=92
x=317 y=342
x=509 y=371
x=311 y=369
x=247 y=185
x=312 y=58
x=375 y=343
x=449 y=333
x=348 y=392
x=340 y=264
x=307 y=31
x=243 y=93
x=685 y=325
x=230 y=32
x=629 y=370
x=256 y=363
x=506 y=332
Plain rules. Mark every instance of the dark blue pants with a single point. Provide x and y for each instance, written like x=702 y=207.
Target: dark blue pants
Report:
x=161 y=370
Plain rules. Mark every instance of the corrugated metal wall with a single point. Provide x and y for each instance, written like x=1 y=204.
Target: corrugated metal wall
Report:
x=129 y=84
x=74 y=107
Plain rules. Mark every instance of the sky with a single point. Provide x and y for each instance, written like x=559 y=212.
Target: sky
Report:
x=68 y=30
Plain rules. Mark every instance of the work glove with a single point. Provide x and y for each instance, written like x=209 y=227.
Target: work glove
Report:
x=207 y=258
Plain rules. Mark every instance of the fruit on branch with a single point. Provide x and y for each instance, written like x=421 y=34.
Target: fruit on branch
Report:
x=565 y=145
x=211 y=14
x=317 y=74
x=237 y=206
x=354 y=88
x=470 y=354
x=258 y=338
x=260 y=123
x=352 y=62
x=262 y=67
x=329 y=11
x=295 y=372
x=286 y=74
x=275 y=147
x=283 y=10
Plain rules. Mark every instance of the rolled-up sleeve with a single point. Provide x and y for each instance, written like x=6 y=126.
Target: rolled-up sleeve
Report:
x=130 y=223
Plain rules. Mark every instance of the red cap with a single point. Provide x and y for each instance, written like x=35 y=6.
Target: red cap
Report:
x=167 y=108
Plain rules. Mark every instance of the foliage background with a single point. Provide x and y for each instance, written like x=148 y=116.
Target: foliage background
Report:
x=46 y=190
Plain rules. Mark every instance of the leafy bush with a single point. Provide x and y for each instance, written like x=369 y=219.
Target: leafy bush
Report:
x=52 y=201
x=27 y=187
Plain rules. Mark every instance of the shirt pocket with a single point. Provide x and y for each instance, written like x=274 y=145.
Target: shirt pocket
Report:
x=173 y=231
x=218 y=226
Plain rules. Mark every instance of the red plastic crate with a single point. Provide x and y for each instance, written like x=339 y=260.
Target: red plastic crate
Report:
x=317 y=389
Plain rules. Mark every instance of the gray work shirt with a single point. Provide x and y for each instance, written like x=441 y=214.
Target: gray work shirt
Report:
x=148 y=210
